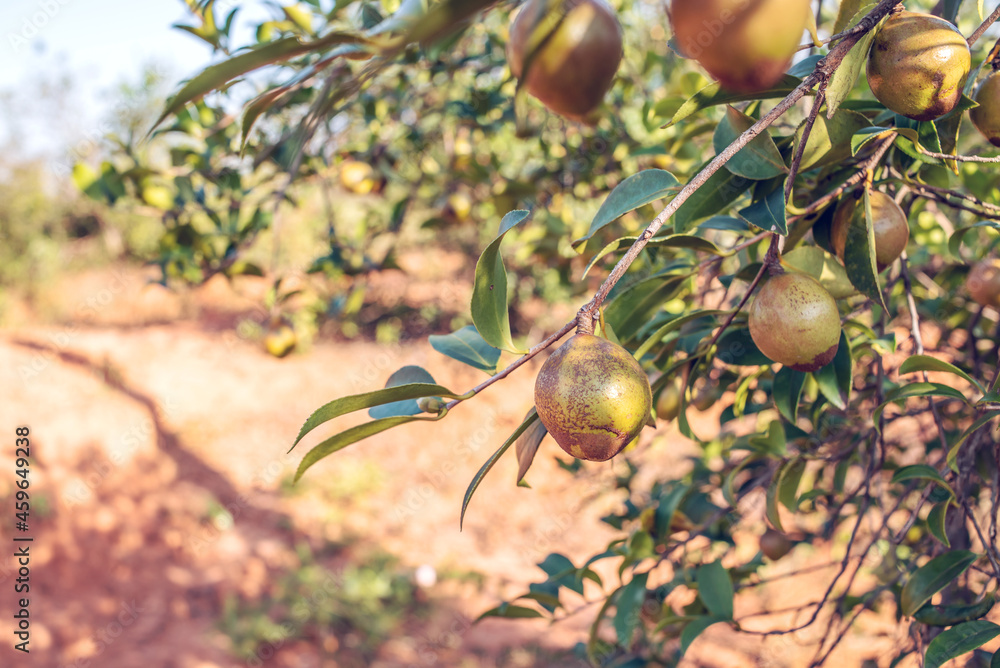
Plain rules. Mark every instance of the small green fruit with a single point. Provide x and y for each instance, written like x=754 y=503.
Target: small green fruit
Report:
x=746 y=46
x=668 y=404
x=888 y=223
x=593 y=397
x=986 y=117
x=794 y=321
x=280 y=339
x=983 y=282
x=775 y=545
x=918 y=64
x=572 y=70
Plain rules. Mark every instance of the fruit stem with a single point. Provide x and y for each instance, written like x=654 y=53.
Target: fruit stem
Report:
x=772 y=259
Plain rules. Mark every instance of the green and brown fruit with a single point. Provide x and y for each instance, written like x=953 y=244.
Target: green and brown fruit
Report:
x=888 y=224
x=986 y=117
x=745 y=46
x=775 y=544
x=593 y=397
x=668 y=403
x=579 y=48
x=279 y=338
x=983 y=282
x=918 y=64
x=794 y=321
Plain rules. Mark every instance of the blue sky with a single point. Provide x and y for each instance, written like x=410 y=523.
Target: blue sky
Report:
x=96 y=44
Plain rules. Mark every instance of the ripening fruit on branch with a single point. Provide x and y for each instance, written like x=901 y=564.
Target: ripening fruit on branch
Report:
x=888 y=223
x=986 y=117
x=279 y=339
x=775 y=545
x=358 y=177
x=918 y=64
x=794 y=321
x=983 y=282
x=593 y=397
x=746 y=46
x=668 y=403
x=575 y=65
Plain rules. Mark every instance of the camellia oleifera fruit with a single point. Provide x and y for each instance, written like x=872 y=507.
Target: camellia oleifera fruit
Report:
x=888 y=224
x=983 y=282
x=794 y=321
x=918 y=64
x=668 y=403
x=593 y=397
x=986 y=117
x=280 y=339
x=775 y=544
x=574 y=66
x=745 y=46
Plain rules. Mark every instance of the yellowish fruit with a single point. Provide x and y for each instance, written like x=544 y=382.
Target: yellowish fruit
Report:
x=888 y=223
x=668 y=404
x=280 y=339
x=593 y=397
x=918 y=64
x=746 y=46
x=794 y=321
x=986 y=117
x=574 y=67
x=775 y=545
x=460 y=206
x=983 y=282
x=358 y=177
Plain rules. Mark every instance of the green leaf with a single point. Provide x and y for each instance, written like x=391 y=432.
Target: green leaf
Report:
x=715 y=589
x=760 y=159
x=865 y=135
x=823 y=266
x=713 y=94
x=935 y=522
x=980 y=421
x=669 y=241
x=949 y=615
x=928 y=363
x=950 y=10
x=217 y=76
x=631 y=308
x=955 y=242
x=485 y=468
x=511 y=612
x=932 y=577
x=844 y=77
x=718 y=192
x=918 y=389
x=859 y=253
x=786 y=392
x=670 y=326
x=958 y=640
x=830 y=139
x=768 y=212
x=921 y=472
x=846 y=15
x=791 y=476
x=640 y=189
x=408 y=375
x=736 y=347
x=694 y=628
x=834 y=379
x=355 y=402
x=667 y=505
x=353 y=435
x=630 y=601
x=467 y=346
x=527 y=444
x=489 y=293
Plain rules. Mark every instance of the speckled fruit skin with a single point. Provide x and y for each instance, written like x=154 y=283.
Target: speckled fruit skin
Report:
x=983 y=282
x=593 y=397
x=745 y=45
x=918 y=64
x=794 y=321
x=986 y=117
x=888 y=222
x=575 y=67
x=775 y=545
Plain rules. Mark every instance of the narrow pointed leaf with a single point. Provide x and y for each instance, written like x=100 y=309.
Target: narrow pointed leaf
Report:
x=718 y=192
x=629 y=603
x=932 y=577
x=640 y=189
x=489 y=293
x=786 y=392
x=527 y=444
x=844 y=77
x=928 y=363
x=935 y=522
x=694 y=629
x=715 y=588
x=768 y=213
x=713 y=94
x=919 y=389
x=760 y=159
x=859 y=253
x=959 y=640
x=407 y=375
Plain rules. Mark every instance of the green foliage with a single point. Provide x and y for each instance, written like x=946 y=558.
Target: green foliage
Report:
x=420 y=99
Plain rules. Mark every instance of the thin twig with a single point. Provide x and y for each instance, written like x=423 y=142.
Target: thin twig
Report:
x=984 y=26
x=793 y=171
x=958 y=158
